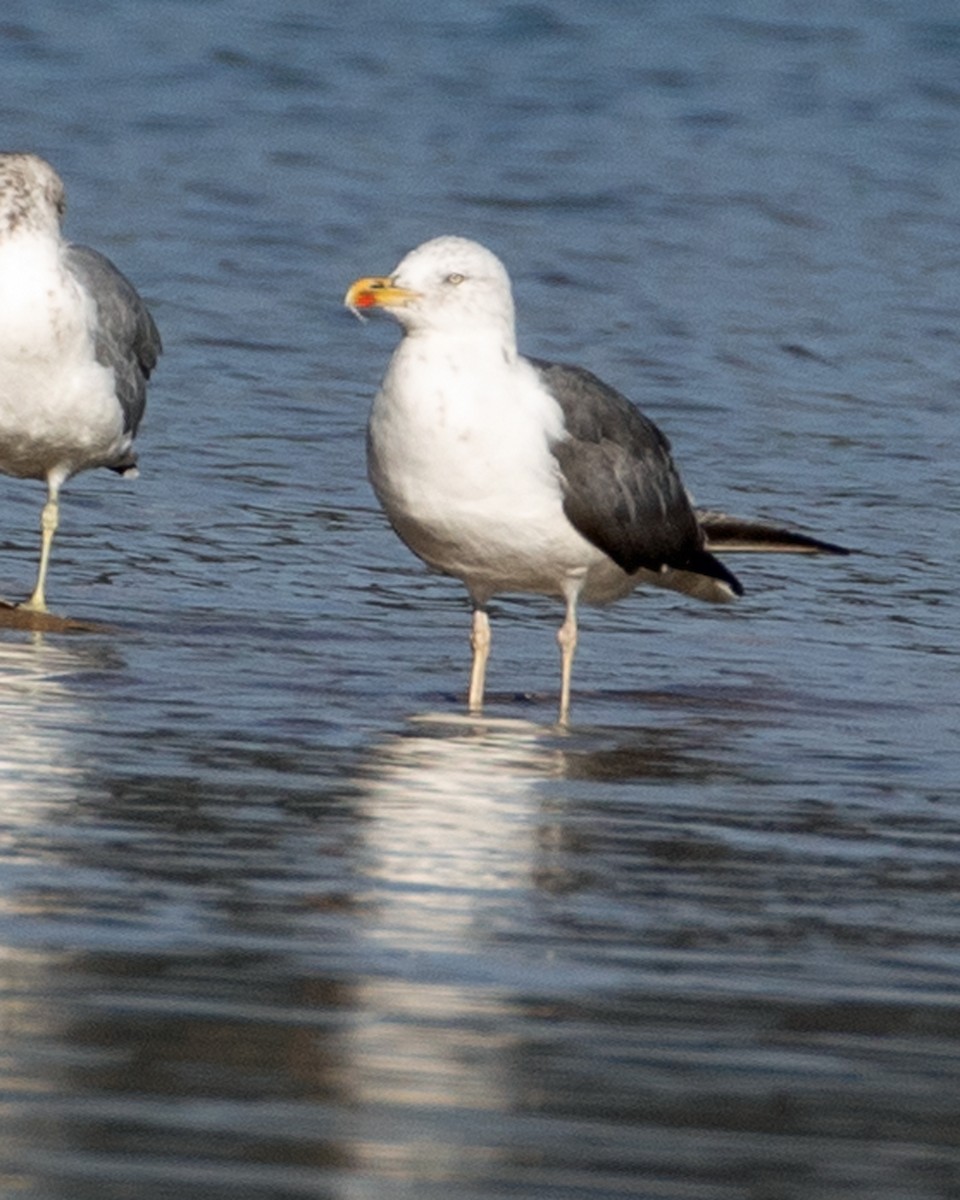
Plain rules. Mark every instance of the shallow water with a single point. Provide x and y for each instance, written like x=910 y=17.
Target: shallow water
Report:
x=276 y=920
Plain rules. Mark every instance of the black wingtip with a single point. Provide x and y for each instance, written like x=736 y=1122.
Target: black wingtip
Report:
x=739 y=534
x=702 y=562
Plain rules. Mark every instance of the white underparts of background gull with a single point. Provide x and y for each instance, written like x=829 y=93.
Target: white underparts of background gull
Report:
x=77 y=346
x=517 y=475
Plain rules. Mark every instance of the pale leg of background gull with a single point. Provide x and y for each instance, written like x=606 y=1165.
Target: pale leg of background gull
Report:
x=49 y=520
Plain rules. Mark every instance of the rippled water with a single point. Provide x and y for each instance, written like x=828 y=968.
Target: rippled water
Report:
x=275 y=919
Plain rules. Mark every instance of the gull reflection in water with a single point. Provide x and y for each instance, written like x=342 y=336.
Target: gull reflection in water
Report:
x=501 y=860
x=39 y=717
x=451 y=815
x=454 y=812
x=37 y=712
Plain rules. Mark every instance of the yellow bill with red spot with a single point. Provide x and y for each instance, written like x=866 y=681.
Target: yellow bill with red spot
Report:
x=377 y=291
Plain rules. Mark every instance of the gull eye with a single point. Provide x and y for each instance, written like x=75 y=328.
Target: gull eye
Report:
x=455 y=278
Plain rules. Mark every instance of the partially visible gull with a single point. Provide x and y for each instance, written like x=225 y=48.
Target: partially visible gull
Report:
x=518 y=475
x=77 y=346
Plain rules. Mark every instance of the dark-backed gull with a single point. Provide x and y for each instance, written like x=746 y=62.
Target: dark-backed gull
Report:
x=518 y=475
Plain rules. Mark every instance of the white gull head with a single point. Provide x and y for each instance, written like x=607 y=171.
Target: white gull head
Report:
x=455 y=286
x=32 y=197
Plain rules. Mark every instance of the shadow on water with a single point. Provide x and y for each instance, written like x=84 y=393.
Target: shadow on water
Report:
x=472 y=954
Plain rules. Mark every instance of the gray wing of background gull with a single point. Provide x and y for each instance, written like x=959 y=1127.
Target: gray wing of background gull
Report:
x=126 y=339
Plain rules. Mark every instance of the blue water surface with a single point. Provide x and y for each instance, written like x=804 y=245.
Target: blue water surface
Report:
x=276 y=920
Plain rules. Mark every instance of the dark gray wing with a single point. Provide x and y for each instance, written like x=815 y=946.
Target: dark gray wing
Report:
x=621 y=488
x=127 y=339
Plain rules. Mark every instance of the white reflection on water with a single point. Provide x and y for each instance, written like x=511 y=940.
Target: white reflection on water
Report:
x=451 y=844
x=453 y=825
x=38 y=712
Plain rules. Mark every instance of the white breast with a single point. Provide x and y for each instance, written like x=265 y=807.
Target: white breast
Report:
x=58 y=410
x=459 y=456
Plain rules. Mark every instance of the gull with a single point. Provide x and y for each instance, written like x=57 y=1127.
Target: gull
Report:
x=77 y=346
x=513 y=474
